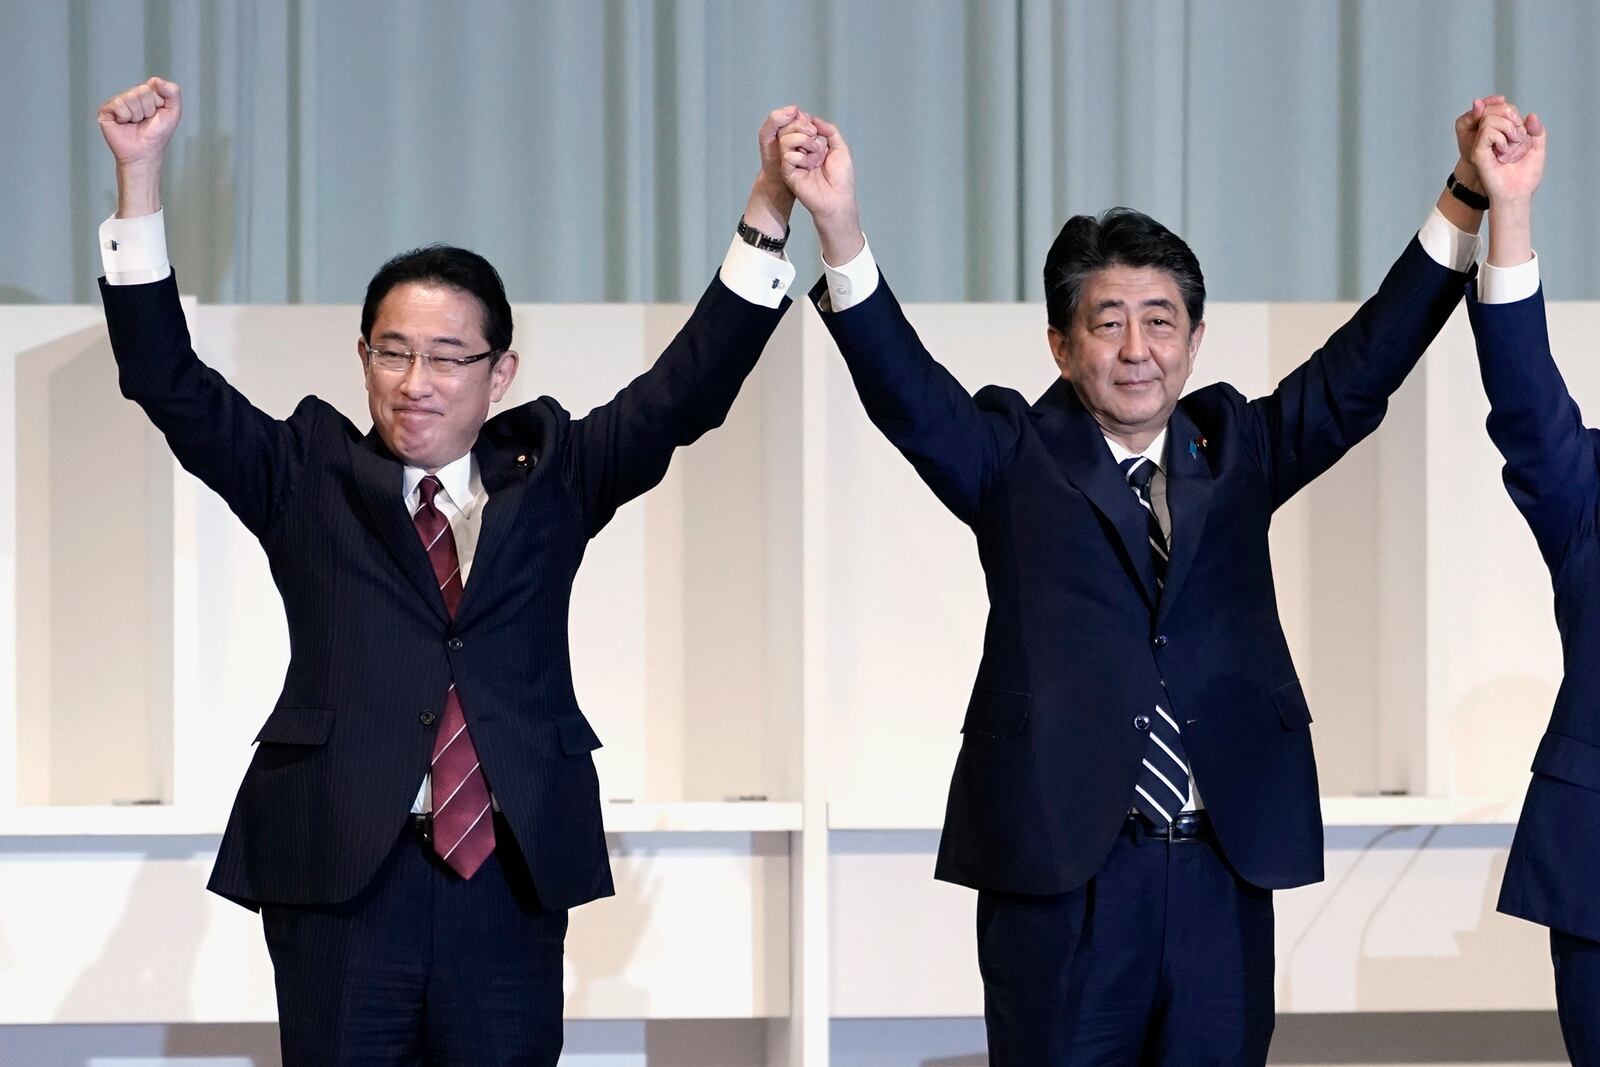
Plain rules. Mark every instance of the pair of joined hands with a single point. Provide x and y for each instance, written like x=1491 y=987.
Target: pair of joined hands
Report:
x=805 y=158
x=1505 y=152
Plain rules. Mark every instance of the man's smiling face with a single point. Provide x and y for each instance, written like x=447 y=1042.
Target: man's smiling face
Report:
x=1128 y=351
x=428 y=419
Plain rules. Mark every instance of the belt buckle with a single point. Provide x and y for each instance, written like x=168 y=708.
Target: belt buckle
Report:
x=1191 y=834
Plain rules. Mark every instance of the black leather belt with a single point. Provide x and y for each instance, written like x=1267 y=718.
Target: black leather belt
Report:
x=419 y=824
x=1189 y=826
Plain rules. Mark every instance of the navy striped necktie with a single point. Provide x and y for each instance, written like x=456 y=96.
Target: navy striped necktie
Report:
x=1140 y=471
x=1163 y=786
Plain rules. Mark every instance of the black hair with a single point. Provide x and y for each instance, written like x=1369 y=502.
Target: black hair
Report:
x=454 y=267
x=1118 y=237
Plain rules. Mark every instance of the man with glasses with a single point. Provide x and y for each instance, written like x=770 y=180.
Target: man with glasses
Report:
x=422 y=808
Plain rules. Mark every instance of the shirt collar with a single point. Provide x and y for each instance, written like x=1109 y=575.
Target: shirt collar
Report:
x=1154 y=453
x=459 y=477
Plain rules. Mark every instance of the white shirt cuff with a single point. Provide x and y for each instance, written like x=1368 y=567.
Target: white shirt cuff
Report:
x=1507 y=285
x=134 y=251
x=852 y=283
x=1446 y=245
x=757 y=276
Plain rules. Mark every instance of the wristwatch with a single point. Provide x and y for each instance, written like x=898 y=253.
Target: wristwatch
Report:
x=1476 y=201
x=754 y=237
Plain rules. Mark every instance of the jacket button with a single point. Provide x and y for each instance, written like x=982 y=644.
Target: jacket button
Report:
x=454 y=644
x=426 y=718
x=1161 y=640
x=1141 y=722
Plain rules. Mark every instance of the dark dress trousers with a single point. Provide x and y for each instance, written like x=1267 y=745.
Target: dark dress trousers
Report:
x=1552 y=472
x=372 y=648
x=1079 y=647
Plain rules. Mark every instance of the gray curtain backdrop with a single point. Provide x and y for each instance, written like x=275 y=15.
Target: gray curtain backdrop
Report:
x=600 y=150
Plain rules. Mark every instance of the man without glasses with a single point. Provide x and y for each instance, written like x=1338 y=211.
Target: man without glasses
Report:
x=1136 y=773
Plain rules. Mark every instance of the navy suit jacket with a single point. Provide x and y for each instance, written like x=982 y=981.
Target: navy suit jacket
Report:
x=372 y=648
x=1079 y=646
x=1553 y=474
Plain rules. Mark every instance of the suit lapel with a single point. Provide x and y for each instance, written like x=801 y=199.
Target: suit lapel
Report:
x=1074 y=438
x=504 y=472
x=1189 y=486
x=379 y=479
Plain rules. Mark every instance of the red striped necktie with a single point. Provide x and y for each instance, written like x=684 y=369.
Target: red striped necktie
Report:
x=463 y=829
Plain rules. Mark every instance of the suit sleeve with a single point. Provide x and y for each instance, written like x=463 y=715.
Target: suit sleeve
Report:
x=956 y=445
x=247 y=457
x=1328 y=404
x=1550 y=468
x=622 y=448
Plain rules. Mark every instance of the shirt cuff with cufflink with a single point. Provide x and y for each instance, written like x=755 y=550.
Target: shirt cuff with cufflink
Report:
x=134 y=251
x=851 y=283
x=759 y=277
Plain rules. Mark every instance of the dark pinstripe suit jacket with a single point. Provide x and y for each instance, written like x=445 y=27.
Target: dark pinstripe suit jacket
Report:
x=372 y=649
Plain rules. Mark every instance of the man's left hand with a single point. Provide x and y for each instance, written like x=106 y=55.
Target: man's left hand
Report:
x=771 y=200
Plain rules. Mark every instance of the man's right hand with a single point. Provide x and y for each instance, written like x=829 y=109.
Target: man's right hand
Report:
x=1507 y=175
x=137 y=125
x=1510 y=178
x=828 y=191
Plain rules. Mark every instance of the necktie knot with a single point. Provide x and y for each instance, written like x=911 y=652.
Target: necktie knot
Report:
x=428 y=488
x=1139 y=470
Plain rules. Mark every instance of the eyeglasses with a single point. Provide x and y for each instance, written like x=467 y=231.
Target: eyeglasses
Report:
x=399 y=361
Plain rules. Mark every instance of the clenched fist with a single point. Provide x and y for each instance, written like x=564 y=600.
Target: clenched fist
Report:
x=138 y=123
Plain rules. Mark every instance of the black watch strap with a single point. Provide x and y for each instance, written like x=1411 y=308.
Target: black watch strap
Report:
x=752 y=236
x=1476 y=201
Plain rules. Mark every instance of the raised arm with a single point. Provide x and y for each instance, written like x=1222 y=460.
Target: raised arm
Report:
x=248 y=458
x=1550 y=468
x=622 y=448
x=1331 y=402
x=955 y=445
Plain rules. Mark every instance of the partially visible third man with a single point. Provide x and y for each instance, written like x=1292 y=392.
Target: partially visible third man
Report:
x=1552 y=472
